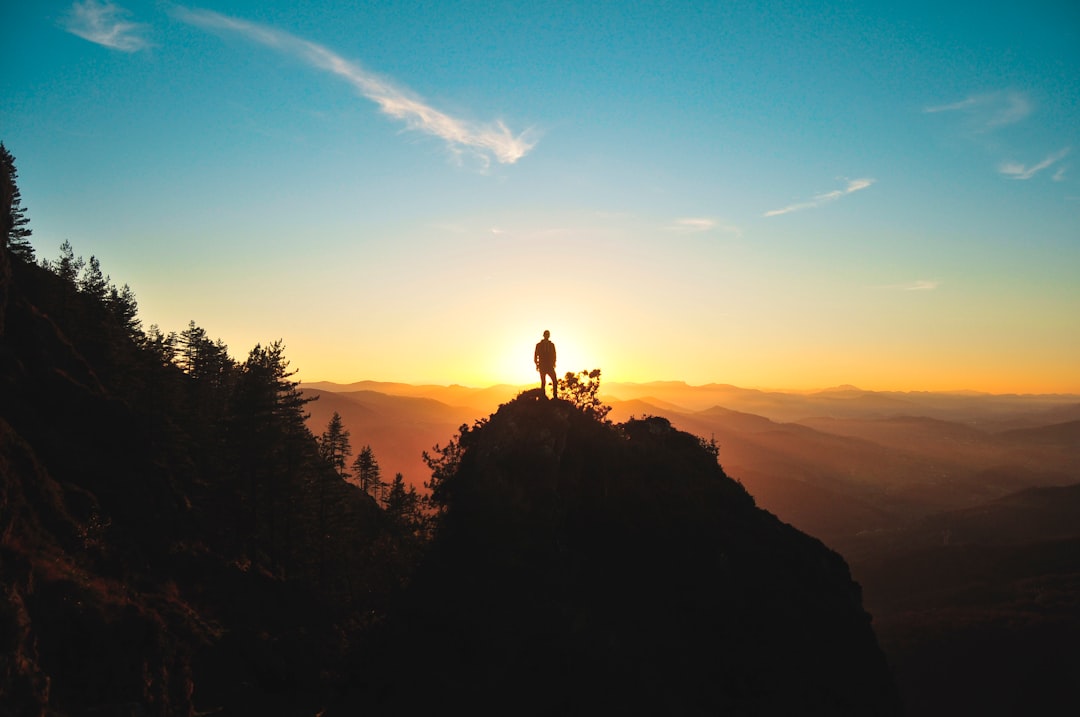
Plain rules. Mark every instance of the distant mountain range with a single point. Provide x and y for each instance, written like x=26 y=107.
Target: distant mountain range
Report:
x=835 y=462
x=959 y=513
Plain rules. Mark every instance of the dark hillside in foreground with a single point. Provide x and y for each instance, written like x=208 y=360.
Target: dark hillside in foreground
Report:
x=174 y=541
x=171 y=540
x=582 y=568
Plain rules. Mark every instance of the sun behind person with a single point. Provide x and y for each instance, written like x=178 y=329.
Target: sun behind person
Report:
x=544 y=358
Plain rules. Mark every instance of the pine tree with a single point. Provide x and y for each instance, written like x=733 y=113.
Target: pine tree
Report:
x=334 y=445
x=368 y=473
x=191 y=346
x=403 y=506
x=125 y=309
x=68 y=266
x=270 y=440
x=16 y=224
x=161 y=346
x=93 y=282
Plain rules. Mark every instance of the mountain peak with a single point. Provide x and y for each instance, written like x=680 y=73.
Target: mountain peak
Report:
x=590 y=564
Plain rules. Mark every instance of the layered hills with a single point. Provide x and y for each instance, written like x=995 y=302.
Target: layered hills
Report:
x=175 y=541
x=584 y=567
x=956 y=512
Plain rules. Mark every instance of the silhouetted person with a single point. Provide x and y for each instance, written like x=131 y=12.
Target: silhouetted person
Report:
x=544 y=357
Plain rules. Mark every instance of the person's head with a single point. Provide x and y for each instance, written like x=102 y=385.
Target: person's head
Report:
x=547 y=334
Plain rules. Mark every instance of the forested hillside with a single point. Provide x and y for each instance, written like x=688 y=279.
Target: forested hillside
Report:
x=172 y=536
x=175 y=541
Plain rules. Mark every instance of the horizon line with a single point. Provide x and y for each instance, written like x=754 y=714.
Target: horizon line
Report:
x=763 y=389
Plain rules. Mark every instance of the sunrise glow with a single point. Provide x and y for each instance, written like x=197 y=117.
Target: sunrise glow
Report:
x=796 y=199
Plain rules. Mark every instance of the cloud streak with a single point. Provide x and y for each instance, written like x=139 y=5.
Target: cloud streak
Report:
x=853 y=186
x=697 y=225
x=692 y=225
x=991 y=110
x=484 y=140
x=103 y=24
x=1015 y=170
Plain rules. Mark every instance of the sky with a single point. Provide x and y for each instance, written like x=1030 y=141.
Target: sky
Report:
x=785 y=195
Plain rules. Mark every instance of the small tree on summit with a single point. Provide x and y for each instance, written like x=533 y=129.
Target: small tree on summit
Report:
x=582 y=390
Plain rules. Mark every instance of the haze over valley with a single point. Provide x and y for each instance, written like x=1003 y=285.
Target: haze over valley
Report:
x=286 y=290
x=959 y=513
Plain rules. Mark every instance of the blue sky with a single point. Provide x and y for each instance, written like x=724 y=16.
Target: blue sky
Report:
x=773 y=194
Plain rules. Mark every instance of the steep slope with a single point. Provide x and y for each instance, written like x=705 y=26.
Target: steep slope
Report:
x=135 y=580
x=582 y=567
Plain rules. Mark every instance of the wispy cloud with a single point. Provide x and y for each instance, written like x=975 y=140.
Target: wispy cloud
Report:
x=1015 y=170
x=921 y=285
x=697 y=225
x=104 y=24
x=483 y=140
x=692 y=225
x=991 y=110
x=1059 y=175
x=853 y=186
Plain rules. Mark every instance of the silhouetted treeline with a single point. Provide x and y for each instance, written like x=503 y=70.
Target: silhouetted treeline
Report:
x=174 y=540
x=171 y=534
x=266 y=490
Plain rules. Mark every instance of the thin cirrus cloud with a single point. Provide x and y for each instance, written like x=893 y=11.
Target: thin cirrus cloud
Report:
x=991 y=110
x=853 y=186
x=696 y=225
x=1015 y=170
x=105 y=24
x=484 y=140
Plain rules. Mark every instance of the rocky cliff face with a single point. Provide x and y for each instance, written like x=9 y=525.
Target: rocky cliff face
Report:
x=583 y=567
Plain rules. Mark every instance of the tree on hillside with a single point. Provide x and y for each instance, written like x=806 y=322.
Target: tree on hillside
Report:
x=161 y=346
x=444 y=463
x=193 y=347
x=582 y=390
x=93 y=282
x=269 y=439
x=68 y=266
x=334 y=445
x=368 y=473
x=403 y=505
x=16 y=224
x=125 y=309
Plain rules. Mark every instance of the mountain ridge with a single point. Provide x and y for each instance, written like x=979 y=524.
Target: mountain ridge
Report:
x=623 y=556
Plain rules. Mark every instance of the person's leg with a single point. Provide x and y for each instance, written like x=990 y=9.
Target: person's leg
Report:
x=554 y=385
x=543 y=382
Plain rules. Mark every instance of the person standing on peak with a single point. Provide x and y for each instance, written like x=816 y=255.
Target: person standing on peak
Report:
x=544 y=357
